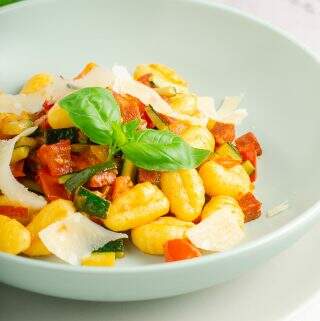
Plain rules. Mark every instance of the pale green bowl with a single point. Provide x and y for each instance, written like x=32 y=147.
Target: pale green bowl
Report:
x=221 y=52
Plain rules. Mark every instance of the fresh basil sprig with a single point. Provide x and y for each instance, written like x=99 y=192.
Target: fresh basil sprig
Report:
x=95 y=111
x=162 y=150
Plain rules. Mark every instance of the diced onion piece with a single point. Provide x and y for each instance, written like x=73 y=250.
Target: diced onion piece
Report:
x=16 y=104
x=9 y=186
x=218 y=232
x=76 y=237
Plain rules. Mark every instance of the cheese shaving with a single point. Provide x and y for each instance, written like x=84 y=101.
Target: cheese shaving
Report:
x=76 y=237
x=16 y=104
x=9 y=186
x=218 y=232
x=278 y=209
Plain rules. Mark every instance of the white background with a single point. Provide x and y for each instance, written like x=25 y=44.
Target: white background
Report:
x=285 y=288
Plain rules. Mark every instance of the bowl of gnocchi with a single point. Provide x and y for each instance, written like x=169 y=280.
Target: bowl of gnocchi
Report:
x=180 y=168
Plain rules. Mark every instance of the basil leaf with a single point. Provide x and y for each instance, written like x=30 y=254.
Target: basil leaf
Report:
x=93 y=110
x=130 y=127
x=78 y=179
x=162 y=151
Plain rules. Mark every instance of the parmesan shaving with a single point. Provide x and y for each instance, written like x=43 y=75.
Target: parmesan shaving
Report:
x=9 y=186
x=16 y=104
x=218 y=232
x=76 y=237
x=278 y=209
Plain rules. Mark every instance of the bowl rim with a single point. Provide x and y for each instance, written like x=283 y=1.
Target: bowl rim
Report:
x=284 y=231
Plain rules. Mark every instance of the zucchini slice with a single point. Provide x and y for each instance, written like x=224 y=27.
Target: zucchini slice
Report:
x=79 y=148
x=53 y=136
x=116 y=246
x=19 y=153
x=90 y=203
x=129 y=169
x=229 y=150
x=248 y=167
x=156 y=119
x=31 y=185
x=62 y=179
x=26 y=141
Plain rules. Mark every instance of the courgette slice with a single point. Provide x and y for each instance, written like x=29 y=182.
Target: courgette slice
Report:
x=19 y=153
x=129 y=169
x=79 y=148
x=228 y=150
x=156 y=119
x=31 y=185
x=116 y=246
x=53 y=136
x=26 y=141
x=83 y=176
x=90 y=203
x=62 y=179
x=248 y=166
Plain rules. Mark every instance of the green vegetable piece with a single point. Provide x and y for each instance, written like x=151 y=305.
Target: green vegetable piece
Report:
x=79 y=148
x=90 y=203
x=129 y=169
x=93 y=110
x=162 y=151
x=156 y=119
x=228 y=150
x=248 y=166
x=83 y=176
x=26 y=141
x=31 y=185
x=116 y=246
x=62 y=179
x=53 y=136
x=19 y=153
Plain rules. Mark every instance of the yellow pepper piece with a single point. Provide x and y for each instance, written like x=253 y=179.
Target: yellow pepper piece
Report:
x=51 y=213
x=185 y=192
x=14 y=237
x=59 y=118
x=37 y=83
x=150 y=238
x=140 y=205
x=100 y=259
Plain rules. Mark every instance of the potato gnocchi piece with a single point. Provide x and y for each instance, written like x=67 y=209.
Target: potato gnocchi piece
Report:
x=59 y=118
x=140 y=205
x=51 y=213
x=185 y=192
x=223 y=202
x=218 y=180
x=14 y=237
x=151 y=238
x=199 y=137
x=37 y=83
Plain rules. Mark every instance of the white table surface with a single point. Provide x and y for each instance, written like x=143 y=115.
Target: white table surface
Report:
x=287 y=288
